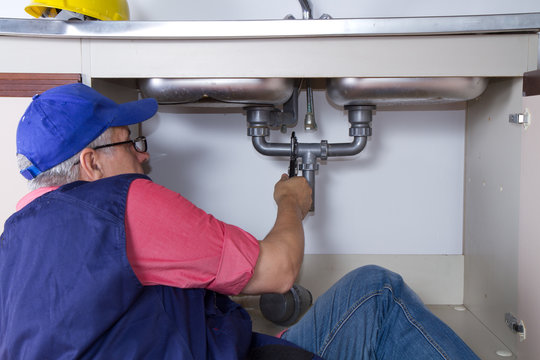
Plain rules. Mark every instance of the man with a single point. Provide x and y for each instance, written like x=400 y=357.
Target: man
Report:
x=100 y=262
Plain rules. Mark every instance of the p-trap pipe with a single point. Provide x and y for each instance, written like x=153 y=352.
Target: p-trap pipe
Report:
x=260 y=117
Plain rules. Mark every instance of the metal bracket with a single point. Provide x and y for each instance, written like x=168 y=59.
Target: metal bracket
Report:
x=520 y=118
x=517 y=326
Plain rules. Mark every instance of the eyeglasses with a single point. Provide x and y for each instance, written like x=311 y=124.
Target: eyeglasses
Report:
x=139 y=144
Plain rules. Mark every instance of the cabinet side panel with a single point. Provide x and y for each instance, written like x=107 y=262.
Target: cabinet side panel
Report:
x=529 y=244
x=491 y=227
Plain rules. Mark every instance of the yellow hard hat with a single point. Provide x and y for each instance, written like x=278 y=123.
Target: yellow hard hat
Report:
x=99 y=9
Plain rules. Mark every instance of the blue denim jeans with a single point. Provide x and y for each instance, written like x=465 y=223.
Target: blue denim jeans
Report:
x=372 y=314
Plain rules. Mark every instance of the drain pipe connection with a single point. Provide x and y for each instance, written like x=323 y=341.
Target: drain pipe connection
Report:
x=360 y=117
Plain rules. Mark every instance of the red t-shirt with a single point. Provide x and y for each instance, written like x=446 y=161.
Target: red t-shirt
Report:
x=169 y=241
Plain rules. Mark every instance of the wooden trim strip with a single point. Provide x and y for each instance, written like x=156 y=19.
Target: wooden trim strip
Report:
x=531 y=83
x=30 y=84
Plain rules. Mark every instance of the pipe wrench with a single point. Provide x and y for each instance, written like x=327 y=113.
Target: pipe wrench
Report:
x=293 y=161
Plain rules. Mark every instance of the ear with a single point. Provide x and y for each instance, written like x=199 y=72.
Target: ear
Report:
x=90 y=168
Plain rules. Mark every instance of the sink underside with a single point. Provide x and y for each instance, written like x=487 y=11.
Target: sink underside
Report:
x=225 y=92
x=404 y=91
x=218 y=92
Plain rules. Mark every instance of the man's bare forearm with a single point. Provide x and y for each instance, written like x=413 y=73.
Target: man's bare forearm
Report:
x=282 y=250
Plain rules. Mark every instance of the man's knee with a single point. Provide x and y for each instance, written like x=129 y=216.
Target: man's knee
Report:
x=375 y=274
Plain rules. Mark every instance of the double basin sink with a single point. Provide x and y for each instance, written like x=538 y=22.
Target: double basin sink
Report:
x=341 y=91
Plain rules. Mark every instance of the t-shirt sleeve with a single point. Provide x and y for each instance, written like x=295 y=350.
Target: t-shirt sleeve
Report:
x=169 y=241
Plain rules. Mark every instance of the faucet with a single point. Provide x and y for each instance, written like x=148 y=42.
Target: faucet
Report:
x=309 y=120
x=306 y=9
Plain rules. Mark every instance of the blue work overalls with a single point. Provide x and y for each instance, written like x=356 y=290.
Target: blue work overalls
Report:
x=68 y=291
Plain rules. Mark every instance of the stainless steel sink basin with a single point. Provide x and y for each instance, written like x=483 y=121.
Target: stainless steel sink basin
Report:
x=218 y=92
x=404 y=91
x=382 y=92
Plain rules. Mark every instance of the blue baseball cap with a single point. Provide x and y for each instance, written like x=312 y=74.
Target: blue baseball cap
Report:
x=63 y=120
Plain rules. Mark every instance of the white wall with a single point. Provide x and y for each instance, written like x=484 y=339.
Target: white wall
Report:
x=245 y=9
x=402 y=195
x=277 y=9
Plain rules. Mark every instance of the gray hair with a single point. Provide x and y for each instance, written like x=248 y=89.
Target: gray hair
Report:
x=65 y=172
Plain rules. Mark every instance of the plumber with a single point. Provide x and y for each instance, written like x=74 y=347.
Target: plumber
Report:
x=100 y=262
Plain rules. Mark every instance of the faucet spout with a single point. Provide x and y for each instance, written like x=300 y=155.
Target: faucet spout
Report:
x=306 y=9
